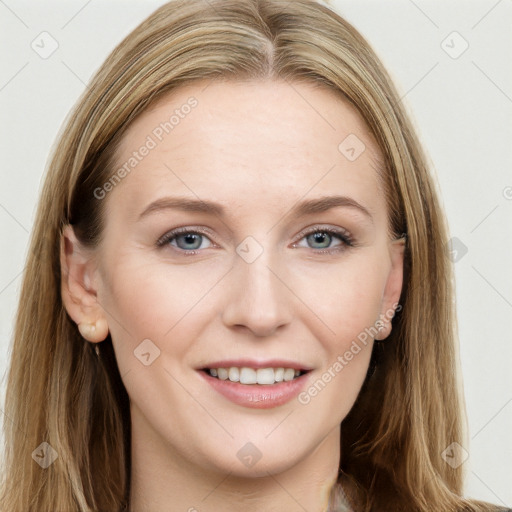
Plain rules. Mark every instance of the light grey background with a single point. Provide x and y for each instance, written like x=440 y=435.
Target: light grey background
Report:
x=461 y=105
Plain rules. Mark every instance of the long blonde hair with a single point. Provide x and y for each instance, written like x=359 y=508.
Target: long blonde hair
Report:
x=58 y=392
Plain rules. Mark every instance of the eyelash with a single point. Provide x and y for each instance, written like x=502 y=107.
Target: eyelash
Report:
x=342 y=235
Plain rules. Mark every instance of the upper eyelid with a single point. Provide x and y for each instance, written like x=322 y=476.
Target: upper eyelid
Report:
x=337 y=231
x=183 y=230
x=321 y=227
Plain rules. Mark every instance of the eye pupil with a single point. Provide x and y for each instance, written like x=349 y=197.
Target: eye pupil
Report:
x=321 y=237
x=192 y=240
x=189 y=238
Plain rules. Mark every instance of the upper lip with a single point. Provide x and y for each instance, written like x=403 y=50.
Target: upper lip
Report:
x=257 y=363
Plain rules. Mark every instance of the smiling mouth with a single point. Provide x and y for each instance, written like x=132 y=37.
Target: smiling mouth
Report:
x=251 y=376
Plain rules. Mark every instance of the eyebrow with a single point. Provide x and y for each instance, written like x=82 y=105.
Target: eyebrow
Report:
x=307 y=207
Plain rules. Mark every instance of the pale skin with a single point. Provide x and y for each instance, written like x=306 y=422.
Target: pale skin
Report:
x=257 y=148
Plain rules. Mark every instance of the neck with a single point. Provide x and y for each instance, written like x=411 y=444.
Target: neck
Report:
x=162 y=478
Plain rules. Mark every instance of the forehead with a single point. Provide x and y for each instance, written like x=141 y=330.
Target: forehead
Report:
x=239 y=142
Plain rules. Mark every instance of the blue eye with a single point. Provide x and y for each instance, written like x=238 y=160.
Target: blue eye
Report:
x=184 y=239
x=321 y=240
x=324 y=239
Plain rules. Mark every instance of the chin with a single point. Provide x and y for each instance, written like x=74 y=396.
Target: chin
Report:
x=246 y=460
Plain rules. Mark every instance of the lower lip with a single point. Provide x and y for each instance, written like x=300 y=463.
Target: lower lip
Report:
x=257 y=396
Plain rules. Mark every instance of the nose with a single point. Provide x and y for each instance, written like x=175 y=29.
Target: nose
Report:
x=258 y=300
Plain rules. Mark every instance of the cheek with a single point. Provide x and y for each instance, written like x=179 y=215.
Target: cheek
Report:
x=162 y=303
x=348 y=305
x=146 y=300
x=345 y=297
x=169 y=304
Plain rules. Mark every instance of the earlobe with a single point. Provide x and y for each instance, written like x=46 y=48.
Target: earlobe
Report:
x=78 y=287
x=94 y=332
x=393 y=289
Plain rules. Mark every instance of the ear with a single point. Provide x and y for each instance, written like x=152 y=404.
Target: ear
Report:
x=393 y=288
x=79 y=287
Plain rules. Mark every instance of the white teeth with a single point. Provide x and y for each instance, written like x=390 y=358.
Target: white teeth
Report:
x=262 y=376
x=248 y=376
x=289 y=373
x=265 y=376
x=234 y=374
x=222 y=373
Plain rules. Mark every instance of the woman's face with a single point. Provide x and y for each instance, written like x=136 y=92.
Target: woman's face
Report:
x=246 y=171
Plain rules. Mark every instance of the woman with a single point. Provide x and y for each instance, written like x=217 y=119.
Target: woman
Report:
x=252 y=370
